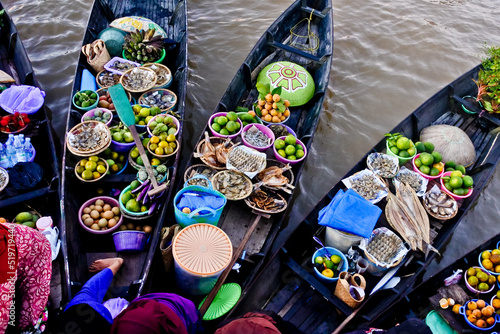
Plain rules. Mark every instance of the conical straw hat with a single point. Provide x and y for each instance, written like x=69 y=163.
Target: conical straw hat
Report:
x=202 y=249
x=452 y=142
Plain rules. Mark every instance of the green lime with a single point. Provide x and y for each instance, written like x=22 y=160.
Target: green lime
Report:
x=282 y=153
x=418 y=162
x=429 y=147
x=336 y=259
x=437 y=157
x=87 y=175
x=411 y=151
x=231 y=126
x=91 y=166
x=80 y=169
x=139 y=161
x=132 y=205
x=290 y=150
x=420 y=147
x=403 y=143
x=134 y=184
x=215 y=126
x=404 y=154
x=434 y=171
x=172 y=131
x=126 y=197
x=462 y=169
x=117 y=136
x=299 y=154
x=224 y=132
x=134 y=154
x=329 y=264
x=456 y=173
x=447 y=186
x=456 y=182
x=155 y=110
x=232 y=116
x=425 y=169
x=319 y=260
x=290 y=140
x=101 y=169
x=222 y=120
x=291 y=157
x=467 y=181
x=279 y=144
x=459 y=191
x=395 y=150
x=450 y=164
x=449 y=169
x=427 y=159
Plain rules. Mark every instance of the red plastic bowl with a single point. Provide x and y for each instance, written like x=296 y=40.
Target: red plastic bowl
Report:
x=415 y=168
x=286 y=161
x=457 y=197
x=268 y=132
x=215 y=133
x=107 y=200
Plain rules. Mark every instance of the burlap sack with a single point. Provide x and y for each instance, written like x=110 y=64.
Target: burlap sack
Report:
x=97 y=54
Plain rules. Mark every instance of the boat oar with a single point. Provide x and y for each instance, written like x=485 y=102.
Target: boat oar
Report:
x=235 y=258
x=126 y=114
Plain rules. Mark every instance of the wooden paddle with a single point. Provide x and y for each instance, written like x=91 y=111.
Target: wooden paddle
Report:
x=126 y=114
x=236 y=256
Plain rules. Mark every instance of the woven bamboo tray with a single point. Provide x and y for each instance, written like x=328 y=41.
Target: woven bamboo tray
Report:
x=104 y=141
x=125 y=82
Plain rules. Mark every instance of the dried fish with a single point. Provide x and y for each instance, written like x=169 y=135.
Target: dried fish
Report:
x=88 y=137
x=244 y=160
x=266 y=201
x=413 y=179
x=367 y=186
x=383 y=165
x=139 y=79
x=157 y=99
x=108 y=79
x=440 y=204
x=256 y=137
x=232 y=184
x=273 y=176
x=384 y=247
x=163 y=76
x=122 y=66
x=406 y=194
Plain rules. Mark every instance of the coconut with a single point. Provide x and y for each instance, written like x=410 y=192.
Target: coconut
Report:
x=452 y=142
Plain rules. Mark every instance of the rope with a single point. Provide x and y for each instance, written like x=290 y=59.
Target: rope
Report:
x=311 y=47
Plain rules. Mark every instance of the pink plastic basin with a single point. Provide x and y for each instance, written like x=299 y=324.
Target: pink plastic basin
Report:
x=268 y=132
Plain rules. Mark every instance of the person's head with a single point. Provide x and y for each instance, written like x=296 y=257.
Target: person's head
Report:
x=148 y=317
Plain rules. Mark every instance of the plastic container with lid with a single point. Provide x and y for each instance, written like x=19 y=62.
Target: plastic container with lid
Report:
x=201 y=253
x=341 y=240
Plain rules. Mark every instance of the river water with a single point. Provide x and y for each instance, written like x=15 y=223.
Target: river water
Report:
x=389 y=57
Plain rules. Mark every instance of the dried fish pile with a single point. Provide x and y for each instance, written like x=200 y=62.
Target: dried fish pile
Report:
x=108 y=79
x=89 y=137
x=122 y=66
x=383 y=165
x=266 y=201
x=244 y=160
x=193 y=181
x=256 y=137
x=407 y=216
x=232 y=184
x=367 y=186
x=384 y=247
x=273 y=176
x=139 y=79
x=413 y=179
x=440 y=204
x=214 y=155
x=162 y=101
x=163 y=76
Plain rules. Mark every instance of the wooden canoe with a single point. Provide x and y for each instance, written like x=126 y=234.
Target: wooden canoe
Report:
x=275 y=45
x=288 y=284
x=83 y=247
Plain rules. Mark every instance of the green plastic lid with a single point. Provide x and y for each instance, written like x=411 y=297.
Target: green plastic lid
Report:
x=226 y=298
x=437 y=324
x=297 y=84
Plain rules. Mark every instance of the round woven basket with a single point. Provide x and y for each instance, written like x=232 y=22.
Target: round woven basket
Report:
x=288 y=173
x=93 y=180
x=251 y=204
x=436 y=215
x=165 y=156
x=247 y=179
x=213 y=140
x=160 y=82
x=104 y=143
x=149 y=92
x=196 y=169
x=115 y=76
x=124 y=80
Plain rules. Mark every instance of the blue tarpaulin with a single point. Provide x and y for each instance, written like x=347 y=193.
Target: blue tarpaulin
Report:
x=349 y=212
x=195 y=200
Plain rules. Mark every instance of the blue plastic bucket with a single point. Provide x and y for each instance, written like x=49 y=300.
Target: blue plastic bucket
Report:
x=130 y=241
x=185 y=219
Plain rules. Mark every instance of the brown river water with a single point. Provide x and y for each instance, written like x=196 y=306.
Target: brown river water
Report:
x=389 y=57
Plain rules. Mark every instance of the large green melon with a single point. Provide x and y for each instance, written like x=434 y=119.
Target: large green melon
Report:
x=297 y=84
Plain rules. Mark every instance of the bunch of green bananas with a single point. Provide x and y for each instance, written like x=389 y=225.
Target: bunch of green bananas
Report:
x=142 y=46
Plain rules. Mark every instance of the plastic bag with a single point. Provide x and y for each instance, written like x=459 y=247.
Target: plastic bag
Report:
x=115 y=306
x=25 y=99
x=195 y=200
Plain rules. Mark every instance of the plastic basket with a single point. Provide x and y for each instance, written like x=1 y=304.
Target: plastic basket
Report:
x=212 y=218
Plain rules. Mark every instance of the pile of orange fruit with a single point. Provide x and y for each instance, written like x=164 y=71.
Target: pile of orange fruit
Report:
x=480 y=314
x=491 y=260
x=273 y=108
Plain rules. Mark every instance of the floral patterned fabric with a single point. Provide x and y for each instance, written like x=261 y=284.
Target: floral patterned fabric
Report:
x=32 y=280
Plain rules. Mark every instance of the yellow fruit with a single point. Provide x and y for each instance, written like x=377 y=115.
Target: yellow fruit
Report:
x=275 y=105
x=287 y=112
x=286 y=103
x=269 y=106
x=487 y=264
x=481 y=323
x=269 y=97
x=471 y=305
x=487 y=312
x=171 y=138
x=495 y=251
x=186 y=210
x=155 y=162
x=472 y=319
x=163 y=144
x=261 y=102
x=96 y=175
x=276 y=119
x=282 y=118
x=456 y=308
x=276 y=98
x=264 y=112
x=159 y=151
x=328 y=273
x=485 y=255
x=476 y=313
x=496 y=303
x=268 y=118
x=273 y=112
x=490 y=321
x=154 y=140
x=480 y=303
x=439 y=166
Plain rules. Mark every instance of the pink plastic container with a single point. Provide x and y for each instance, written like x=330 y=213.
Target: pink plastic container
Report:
x=174 y=120
x=457 y=197
x=90 y=113
x=215 y=133
x=415 y=168
x=107 y=200
x=284 y=160
x=43 y=223
x=268 y=132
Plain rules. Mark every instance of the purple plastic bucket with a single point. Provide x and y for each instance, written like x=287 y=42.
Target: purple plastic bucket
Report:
x=130 y=241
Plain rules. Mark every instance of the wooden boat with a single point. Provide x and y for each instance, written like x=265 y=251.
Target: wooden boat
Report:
x=45 y=197
x=288 y=285
x=84 y=247
x=275 y=45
